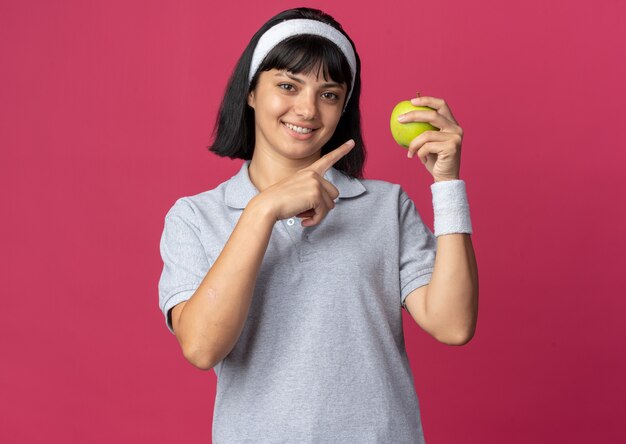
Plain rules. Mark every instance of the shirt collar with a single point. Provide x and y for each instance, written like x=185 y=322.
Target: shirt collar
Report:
x=240 y=189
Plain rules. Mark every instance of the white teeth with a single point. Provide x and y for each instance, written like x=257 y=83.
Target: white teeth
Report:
x=298 y=129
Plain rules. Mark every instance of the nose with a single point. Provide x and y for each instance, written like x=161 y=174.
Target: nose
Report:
x=306 y=105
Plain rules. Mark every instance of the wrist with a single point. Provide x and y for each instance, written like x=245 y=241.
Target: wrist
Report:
x=260 y=210
x=451 y=207
x=437 y=179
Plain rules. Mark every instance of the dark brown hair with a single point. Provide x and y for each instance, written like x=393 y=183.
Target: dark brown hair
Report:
x=234 y=132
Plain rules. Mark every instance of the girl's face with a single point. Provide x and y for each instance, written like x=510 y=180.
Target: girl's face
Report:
x=295 y=114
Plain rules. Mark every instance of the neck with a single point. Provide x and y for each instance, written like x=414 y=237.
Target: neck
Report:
x=265 y=171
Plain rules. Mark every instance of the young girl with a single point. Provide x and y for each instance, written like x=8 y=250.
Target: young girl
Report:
x=288 y=279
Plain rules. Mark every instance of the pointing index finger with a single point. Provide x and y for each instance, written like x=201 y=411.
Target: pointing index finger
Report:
x=321 y=165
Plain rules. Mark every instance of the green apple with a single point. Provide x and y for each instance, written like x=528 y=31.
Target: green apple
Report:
x=403 y=133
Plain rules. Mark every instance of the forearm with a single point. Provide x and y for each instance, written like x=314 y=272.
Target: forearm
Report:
x=452 y=296
x=213 y=318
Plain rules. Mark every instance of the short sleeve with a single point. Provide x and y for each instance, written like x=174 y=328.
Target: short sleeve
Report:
x=418 y=246
x=185 y=262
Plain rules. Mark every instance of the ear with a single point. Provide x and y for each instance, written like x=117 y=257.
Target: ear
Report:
x=251 y=99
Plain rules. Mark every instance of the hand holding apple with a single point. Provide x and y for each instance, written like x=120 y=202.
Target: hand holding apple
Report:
x=403 y=133
x=439 y=150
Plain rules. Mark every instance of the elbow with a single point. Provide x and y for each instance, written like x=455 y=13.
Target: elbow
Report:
x=199 y=359
x=462 y=334
x=197 y=356
x=462 y=340
x=203 y=356
x=458 y=339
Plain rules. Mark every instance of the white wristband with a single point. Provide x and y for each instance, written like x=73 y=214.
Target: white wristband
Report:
x=451 y=207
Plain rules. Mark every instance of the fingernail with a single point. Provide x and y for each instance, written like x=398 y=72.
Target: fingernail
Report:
x=350 y=142
x=401 y=117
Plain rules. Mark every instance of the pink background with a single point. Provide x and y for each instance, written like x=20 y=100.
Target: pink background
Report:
x=106 y=109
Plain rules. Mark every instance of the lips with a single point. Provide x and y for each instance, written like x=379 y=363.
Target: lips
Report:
x=302 y=126
x=298 y=135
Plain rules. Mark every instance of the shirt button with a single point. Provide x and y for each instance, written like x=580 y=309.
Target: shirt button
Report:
x=291 y=221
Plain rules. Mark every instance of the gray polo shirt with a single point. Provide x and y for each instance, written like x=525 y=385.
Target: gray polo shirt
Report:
x=321 y=357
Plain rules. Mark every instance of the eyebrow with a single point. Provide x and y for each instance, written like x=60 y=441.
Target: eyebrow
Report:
x=324 y=85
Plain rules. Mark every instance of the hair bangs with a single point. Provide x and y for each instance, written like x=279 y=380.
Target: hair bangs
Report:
x=306 y=53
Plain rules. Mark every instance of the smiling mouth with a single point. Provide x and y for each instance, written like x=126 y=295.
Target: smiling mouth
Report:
x=299 y=129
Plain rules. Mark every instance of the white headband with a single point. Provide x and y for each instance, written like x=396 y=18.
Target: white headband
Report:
x=287 y=28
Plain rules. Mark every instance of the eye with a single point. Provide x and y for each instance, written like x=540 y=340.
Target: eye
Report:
x=288 y=85
x=331 y=96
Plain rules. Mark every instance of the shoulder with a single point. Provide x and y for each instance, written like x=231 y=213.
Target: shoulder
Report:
x=383 y=190
x=199 y=202
x=196 y=208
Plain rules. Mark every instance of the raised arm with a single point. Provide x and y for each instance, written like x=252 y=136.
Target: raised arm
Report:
x=211 y=321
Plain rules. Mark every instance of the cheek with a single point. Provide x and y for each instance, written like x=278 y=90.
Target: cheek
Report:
x=276 y=105
x=333 y=120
